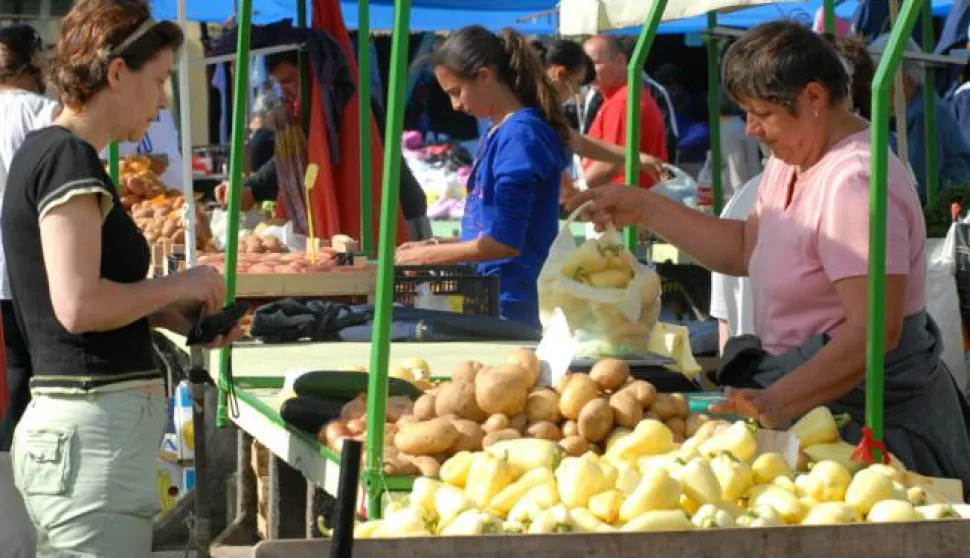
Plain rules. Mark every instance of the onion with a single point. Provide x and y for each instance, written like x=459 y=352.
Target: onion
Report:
x=357 y=426
x=334 y=430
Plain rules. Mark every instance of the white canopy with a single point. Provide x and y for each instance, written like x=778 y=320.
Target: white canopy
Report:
x=588 y=17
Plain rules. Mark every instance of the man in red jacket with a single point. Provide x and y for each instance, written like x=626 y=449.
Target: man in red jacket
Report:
x=610 y=63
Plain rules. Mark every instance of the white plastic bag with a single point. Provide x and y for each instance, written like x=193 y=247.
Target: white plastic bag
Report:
x=604 y=321
x=943 y=303
x=680 y=188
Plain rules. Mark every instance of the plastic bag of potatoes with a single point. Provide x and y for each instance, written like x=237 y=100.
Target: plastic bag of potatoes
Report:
x=611 y=301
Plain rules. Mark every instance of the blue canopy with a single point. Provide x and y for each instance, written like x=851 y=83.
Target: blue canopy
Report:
x=446 y=15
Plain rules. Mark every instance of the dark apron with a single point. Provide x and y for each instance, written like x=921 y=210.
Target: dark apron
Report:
x=927 y=421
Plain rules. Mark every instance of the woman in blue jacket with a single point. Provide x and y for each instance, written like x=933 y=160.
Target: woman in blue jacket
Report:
x=512 y=209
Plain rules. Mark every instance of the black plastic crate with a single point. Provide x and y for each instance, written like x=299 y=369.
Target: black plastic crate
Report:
x=479 y=295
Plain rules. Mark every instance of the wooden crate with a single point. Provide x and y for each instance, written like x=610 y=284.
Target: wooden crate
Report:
x=356 y=280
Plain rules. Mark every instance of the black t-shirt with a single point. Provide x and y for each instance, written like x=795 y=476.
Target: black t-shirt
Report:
x=52 y=166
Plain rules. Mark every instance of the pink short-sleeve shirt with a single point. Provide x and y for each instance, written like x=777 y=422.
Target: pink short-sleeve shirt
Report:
x=822 y=236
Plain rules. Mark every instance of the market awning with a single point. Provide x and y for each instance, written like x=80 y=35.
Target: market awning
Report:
x=583 y=17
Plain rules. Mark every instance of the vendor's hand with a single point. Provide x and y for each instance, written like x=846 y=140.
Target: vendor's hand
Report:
x=246 y=200
x=201 y=285
x=417 y=254
x=416 y=243
x=652 y=166
x=619 y=206
x=758 y=404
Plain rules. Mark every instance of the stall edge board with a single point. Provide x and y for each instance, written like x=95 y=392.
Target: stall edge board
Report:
x=351 y=282
x=938 y=539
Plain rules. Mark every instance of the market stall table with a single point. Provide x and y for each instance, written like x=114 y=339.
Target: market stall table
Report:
x=259 y=371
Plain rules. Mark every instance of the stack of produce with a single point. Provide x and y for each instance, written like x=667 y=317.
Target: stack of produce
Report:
x=138 y=180
x=272 y=262
x=646 y=481
x=160 y=218
x=483 y=406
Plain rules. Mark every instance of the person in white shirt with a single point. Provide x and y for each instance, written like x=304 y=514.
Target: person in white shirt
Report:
x=161 y=139
x=23 y=109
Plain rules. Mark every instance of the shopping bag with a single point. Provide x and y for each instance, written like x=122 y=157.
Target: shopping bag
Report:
x=943 y=300
x=611 y=301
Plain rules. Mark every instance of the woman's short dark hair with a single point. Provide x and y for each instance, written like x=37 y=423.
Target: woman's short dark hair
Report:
x=568 y=54
x=94 y=33
x=774 y=62
x=515 y=63
x=18 y=46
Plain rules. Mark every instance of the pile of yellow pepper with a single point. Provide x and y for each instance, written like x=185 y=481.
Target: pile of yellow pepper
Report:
x=645 y=482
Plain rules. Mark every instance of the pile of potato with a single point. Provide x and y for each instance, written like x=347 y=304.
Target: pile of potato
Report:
x=272 y=262
x=160 y=218
x=482 y=405
x=261 y=244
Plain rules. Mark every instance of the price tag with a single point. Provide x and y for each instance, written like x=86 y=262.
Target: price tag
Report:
x=556 y=349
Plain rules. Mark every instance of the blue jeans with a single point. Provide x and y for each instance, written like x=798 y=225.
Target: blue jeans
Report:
x=86 y=467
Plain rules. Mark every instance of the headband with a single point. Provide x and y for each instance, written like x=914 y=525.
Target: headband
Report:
x=145 y=27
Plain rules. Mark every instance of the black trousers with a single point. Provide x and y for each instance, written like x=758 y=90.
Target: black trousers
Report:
x=18 y=374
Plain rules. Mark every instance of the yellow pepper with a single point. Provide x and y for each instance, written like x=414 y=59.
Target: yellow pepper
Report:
x=618 y=434
x=526 y=454
x=828 y=481
x=514 y=528
x=650 y=437
x=768 y=466
x=656 y=491
x=367 y=529
x=887 y=470
x=611 y=474
x=868 y=487
x=787 y=484
x=501 y=504
x=816 y=427
x=609 y=279
x=584 y=260
x=712 y=517
x=586 y=522
x=703 y=434
x=840 y=452
x=760 y=516
x=423 y=493
x=832 y=513
x=917 y=496
x=659 y=520
x=739 y=439
x=449 y=502
x=782 y=501
x=892 y=511
x=668 y=462
x=699 y=482
x=578 y=479
x=733 y=475
x=454 y=471
x=553 y=520
x=409 y=522
x=605 y=506
x=627 y=478
x=937 y=511
x=487 y=477
x=689 y=505
x=539 y=498
x=471 y=523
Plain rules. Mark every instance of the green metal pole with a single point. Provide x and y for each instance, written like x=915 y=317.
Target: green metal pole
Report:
x=635 y=86
x=714 y=110
x=929 y=109
x=236 y=156
x=881 y=110
x=363 y=89
x=381 y=345
x=828 y=11
x=114 y=166
x=304 y=63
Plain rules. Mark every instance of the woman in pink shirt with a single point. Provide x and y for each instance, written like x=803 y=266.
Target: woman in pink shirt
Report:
x=805 y=248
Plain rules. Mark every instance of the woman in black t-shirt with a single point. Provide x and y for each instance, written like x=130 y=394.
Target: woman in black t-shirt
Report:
x=84 y=452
